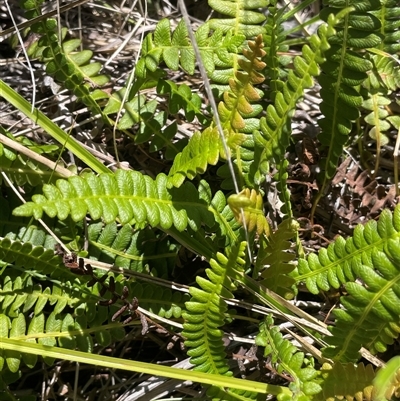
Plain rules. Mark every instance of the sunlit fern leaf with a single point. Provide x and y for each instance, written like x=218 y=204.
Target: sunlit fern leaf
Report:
x=247 y=18
x=175 y=51
x=380 y=84
x=275 y=127
x=205 y=312
x=387 y=380
x=132 y=197
x=237 y=116
x=247 y=207
x=287 y=358
x=202 y=149
x=376 y=118
x=236 y=104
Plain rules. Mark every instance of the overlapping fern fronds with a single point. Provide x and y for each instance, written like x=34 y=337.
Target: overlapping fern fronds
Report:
x=25 y=297
x=368 y=265
x=237 y=115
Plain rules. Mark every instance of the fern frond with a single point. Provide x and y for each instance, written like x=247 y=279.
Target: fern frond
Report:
x=176 y=50
x=22 y=296
x=371 y=256
x=348 y=382
x=343 y=70
x=274 y=257
x=26 y=254
x=248 y=205
x=388 y=14
x=72 y=69
x=236 y=105
x=273 y=138
x=245 y=19
x=182 y=98
x=387 y=381
x=202 y=149
x=141 y=251
x=381 y=82
x=286 y=358
x=128 y=195
x=205 y=312
x=275 y=35
x=228 y=225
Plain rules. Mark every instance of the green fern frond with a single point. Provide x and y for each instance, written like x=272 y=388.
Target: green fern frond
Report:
x=175 y=51
x=244 y=18
x=248 y=206
x=376 y=119
x=388 y=14
x=22 y=296
x=273 y=39
x=229 y=228
x=348 y=382
x=371 y=256
x=205 y=312
x=132 y=197
x=26 y=254
x=216 y=50
x=343 y=70
x=382 y=81
x=387 y=380
x=72 y=69
x=181 y=98
x=274 y=257
x=273 y=138
x=286 y=358
x=203 y=149
x=141 y=251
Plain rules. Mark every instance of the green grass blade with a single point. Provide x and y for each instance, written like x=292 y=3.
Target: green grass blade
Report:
x=51 y=128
